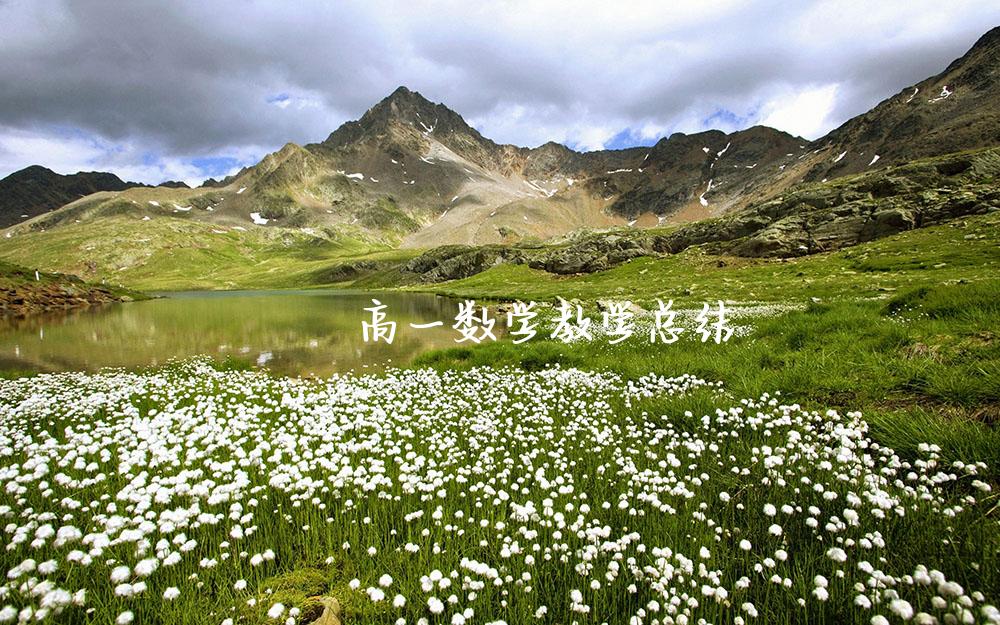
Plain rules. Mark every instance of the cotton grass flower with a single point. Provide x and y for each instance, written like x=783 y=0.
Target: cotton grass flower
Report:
x=213 y=476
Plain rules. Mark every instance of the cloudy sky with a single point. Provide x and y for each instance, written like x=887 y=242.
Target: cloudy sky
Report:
x=190 y=89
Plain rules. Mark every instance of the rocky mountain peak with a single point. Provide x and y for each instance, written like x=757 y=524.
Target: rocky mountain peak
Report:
x=403 y=107
x=32 y=171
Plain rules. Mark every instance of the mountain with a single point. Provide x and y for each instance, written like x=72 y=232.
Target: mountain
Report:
x=958 y=109
x=35 y=190
x=504 y=192
x=412 y=173
x=174 y=184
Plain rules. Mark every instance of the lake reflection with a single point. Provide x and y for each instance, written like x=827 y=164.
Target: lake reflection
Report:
x=289 y=332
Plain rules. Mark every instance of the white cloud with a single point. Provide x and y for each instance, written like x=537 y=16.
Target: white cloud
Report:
x=64 y=154
x=806 y=113
x=68 y=153
x=592 y=137
x=533 y=127
x=185 y=79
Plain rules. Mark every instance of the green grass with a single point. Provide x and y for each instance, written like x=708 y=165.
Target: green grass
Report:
x=178 y=254
x=962 y=250
x=925 y=364
x=14 y=276
x=447 y=446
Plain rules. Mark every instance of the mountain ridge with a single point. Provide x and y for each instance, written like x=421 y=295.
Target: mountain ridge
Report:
x=36 y=189
x=956 y=109
x=413 y=173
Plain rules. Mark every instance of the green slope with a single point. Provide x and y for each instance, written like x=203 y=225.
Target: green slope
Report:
x=175 y=253
x=963 y=250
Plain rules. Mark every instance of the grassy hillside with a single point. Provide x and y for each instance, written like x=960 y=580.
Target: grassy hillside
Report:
x=174 y=253
x=964 y=250
x=181 y=254
x=903 y=329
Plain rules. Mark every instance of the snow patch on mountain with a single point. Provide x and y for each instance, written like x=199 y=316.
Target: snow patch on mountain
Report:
x=701 y=198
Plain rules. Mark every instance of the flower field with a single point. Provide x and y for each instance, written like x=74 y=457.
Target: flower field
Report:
x=193 y=495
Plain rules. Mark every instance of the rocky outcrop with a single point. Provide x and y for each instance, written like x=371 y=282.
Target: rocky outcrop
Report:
x=811 y=219
x=453 y=262
x=826 y=217
x=24 y=293
x=596 y=253
x=26 y=300
x=348 y=272
x=592 y=254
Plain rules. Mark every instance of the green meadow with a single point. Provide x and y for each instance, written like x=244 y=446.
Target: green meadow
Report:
x=836 y=461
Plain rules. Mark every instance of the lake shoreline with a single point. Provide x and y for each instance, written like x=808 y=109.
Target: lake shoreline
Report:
x=28 y=300
x=310 y=333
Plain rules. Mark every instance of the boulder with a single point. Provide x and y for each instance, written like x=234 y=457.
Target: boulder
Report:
x=331 y=612
x=890 y=221
x=786 y=237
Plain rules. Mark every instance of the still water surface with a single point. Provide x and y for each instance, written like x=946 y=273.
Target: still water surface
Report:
x=288 y=332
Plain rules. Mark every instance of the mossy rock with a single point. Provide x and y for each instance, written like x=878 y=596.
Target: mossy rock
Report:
x=308 y=581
